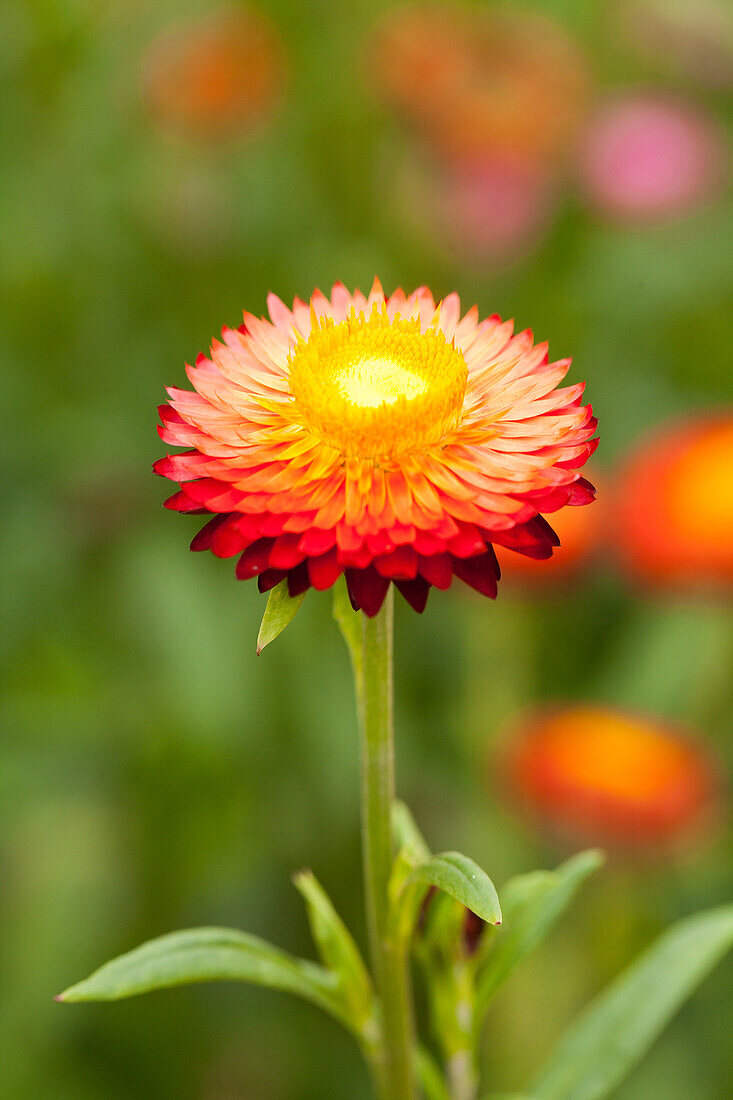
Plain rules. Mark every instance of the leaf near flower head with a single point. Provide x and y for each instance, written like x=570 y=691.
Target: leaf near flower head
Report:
x=280 y=610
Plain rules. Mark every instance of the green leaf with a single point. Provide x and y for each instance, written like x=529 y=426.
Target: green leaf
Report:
x=456 y=875
x=532 y=903
x=208 y=955
x=281 y=608
x=337 y=949
x=464 y=880
x=613 y=1033
x=406 y=833
x=349 y=623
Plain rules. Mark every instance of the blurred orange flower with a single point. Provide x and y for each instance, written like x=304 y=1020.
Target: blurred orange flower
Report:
x=610 y=777
x=674 y=505
x=504 y=81
x=387 y=437
x=217 y=77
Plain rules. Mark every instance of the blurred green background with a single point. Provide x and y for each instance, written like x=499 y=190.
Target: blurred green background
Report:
x=153 y=773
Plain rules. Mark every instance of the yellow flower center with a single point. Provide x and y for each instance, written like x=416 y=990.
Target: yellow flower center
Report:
x=375 y=387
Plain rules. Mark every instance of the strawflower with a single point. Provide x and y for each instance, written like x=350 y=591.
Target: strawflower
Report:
x=390 y=439
x=608 y=776
x=396 y=441
x=674 y=504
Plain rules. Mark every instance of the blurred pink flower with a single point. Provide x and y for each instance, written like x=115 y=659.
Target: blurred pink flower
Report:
x=496 y=205
x=646 y=157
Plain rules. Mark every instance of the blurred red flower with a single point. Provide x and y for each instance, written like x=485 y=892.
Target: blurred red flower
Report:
x=606 y=776
x=674 y=504
x=217 y=77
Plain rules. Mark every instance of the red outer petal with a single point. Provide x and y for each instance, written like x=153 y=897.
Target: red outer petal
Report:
x=315 y=541
x=415 y=592
x=181 y=502
x=325 y=570
x=285 y=553
x=270 y=578
x=367 y=590
x=534 y=539
x=582 y=458
x=437 y=569
x=298 y=580
x=481 y=572
x=467 y=543
x=401 y=564
x=255 y=559
x=232 y=537
x=581 y=492
x=202 y=541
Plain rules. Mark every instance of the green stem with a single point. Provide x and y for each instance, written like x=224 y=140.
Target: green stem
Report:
x=374 y=692
x=462 y=1076
x=452 y=1002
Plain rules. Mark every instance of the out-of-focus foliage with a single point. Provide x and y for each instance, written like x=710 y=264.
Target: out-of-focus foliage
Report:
x=154 y=773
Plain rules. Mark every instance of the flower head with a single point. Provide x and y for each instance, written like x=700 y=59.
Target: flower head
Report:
x=609 y=776
x=387 y=438
x=677 y=524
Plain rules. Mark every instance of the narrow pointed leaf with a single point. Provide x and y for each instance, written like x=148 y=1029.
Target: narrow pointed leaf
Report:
x=281 y=608
x=337 y=949
x=208 y=955
x=619 y=1026
x=532 y=904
